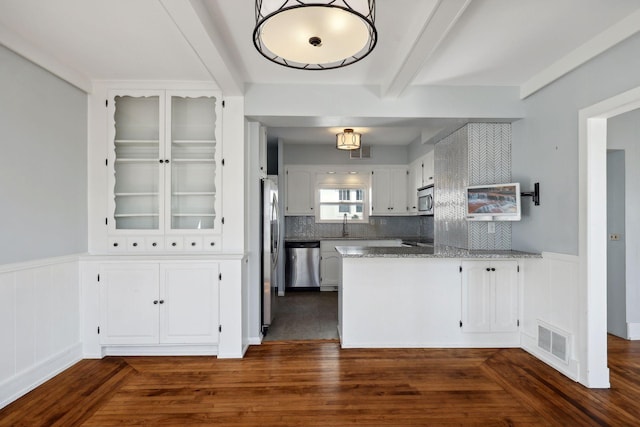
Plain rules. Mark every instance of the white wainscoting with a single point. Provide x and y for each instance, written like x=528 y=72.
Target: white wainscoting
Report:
x=39 y=323
x=550 y=297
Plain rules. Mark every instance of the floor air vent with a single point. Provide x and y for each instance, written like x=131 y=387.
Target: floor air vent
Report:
x=553 y=342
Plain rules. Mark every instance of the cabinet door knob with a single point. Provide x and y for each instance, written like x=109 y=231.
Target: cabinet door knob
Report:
x=488 y=269
x=161 y=301
x=493 y=269
x=174 y=244
x=154 y=244
x=135 y=243
x=115 y=243
x=193 y=243
x=212 y=243
x=155 y=301
x=161 y=161
x=166 y=161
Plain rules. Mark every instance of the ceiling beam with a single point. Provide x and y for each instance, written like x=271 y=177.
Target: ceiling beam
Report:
x=194 y=22
x=442 y=19
x=22 y=47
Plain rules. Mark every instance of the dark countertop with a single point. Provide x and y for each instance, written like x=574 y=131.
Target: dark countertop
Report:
x=428 y=252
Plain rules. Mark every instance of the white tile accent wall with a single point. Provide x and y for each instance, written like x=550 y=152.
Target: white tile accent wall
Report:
x=478 y=153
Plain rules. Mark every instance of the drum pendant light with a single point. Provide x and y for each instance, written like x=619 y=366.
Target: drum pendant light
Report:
x=315 y=35
x=348 y=140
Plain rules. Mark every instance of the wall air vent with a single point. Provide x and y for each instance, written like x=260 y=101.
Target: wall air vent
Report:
x=554 y=342
x=364 y=152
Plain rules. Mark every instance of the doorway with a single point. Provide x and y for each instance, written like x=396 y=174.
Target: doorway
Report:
x=616 y=238
x=594 y=373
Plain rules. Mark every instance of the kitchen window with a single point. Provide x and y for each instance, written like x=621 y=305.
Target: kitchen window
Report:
x=334 y=202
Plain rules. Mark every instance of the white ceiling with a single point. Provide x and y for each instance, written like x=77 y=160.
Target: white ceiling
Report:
x=421 y=42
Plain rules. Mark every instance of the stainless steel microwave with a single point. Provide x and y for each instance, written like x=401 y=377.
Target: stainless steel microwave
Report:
x=425 y=200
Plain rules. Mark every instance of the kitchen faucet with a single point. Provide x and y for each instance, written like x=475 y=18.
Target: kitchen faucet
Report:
x=345 y=233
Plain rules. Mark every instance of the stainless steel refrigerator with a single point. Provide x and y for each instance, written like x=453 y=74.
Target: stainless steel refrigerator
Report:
x=270 y=248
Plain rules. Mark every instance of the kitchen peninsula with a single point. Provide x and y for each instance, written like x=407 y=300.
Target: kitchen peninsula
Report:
x=430 y=297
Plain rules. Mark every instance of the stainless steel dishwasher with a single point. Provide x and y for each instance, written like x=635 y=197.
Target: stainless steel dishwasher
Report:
x=302 y=266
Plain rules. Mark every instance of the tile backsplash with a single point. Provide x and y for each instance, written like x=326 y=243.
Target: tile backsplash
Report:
x=305 y=227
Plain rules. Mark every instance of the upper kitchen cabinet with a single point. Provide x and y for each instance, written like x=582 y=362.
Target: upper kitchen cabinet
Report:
x=300 y=193
x=164 y=176
x=388 y=191
x=428 y=170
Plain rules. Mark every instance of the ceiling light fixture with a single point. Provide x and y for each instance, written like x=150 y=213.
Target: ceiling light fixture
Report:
x=313 y=34
x=348 y=140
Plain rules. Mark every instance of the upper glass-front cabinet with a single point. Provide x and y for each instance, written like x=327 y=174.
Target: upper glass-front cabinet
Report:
x=193 y=167
x=165 y=161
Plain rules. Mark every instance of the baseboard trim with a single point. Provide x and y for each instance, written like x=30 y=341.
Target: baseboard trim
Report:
x=160 y=350
x=633 y=331
x=570 y=370
x=22 y=383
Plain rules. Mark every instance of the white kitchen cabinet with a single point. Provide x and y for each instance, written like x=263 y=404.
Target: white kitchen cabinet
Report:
x=300 y=194
x=164 y=168
x=388 y=191
x=330 y=261
x=159 y=303
x=414 y=181
x=489 y=296
x=428 y=169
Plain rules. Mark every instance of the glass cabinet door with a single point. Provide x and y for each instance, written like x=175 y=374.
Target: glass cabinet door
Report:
x=137 y=145
x=193 y=162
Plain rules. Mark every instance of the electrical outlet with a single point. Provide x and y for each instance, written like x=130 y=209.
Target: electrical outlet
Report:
x=491 y=227
x=614 y=236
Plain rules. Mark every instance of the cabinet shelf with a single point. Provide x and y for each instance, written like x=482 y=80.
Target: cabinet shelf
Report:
x=121 y=160
x=194 y=193
x=194 y=141
x=136 y=215
x=194 y=160
x=136 y=194
x=136 y=141
x=192 y=215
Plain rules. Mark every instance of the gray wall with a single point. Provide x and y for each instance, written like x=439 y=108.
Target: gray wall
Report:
x=623 y=133
x=328 y=154
x=616 y=286
x=545 y=146
x=43 y=167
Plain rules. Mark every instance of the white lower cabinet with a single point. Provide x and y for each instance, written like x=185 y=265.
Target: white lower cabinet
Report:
x=330 y=262
x=489 y=296
x=159 y=303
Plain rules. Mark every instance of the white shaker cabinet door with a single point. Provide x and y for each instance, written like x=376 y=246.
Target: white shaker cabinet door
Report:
x=300 y=197
x=490 y=296
x=189 y=309
x=129 y=302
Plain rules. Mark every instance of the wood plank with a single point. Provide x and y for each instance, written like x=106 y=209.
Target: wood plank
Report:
x=316 y=383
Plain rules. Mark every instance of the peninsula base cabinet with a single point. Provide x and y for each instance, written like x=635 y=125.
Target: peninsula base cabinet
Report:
x=159 y=303
x=490 y=296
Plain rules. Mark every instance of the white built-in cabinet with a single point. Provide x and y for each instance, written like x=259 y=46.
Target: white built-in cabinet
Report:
x=159 y=303
x=489 y=296
x=164 y=176
x=388 y=191
x=300 y=191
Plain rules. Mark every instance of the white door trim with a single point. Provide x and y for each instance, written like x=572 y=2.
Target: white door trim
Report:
x=592 y=243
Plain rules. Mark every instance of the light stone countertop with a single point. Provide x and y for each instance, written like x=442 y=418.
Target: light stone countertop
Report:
x=427 y=252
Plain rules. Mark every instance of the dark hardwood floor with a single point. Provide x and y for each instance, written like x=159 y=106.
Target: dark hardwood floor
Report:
x=314 y=383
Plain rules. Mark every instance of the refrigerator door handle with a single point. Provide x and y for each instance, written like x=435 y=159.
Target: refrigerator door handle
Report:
x=275 y=236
